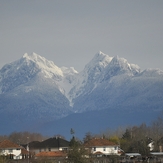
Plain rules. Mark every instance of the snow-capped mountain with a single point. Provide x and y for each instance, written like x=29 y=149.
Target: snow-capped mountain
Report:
x=114 y=83
x=23 y=70
x=34 y=90
x=99 y=69
x=30 y=90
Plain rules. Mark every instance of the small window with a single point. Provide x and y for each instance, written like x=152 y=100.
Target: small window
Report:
x=104 y=148
x=64 y=149
x=94 y=149
x=49 y=149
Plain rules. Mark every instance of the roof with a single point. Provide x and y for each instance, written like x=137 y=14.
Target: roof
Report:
x=133 y=154
x=51 y=154
x=54 y=142
x=8 y=144
x=99 y=142
x=157 y=153
x=32 y=144
x=24 y=151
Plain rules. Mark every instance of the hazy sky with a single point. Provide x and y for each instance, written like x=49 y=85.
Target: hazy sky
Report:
x=71 y=32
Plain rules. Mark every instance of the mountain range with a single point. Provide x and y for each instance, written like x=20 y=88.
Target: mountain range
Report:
x=37 y=95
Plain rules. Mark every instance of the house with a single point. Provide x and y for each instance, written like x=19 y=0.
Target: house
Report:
x=12 y=150
x=49 y=145
x=101 y=146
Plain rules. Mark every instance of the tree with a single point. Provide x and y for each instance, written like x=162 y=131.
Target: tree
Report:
x=136 y=139
x=72 y=132
x=21 y=137
x=127 y=135
x=77 y=152
x=3 y=159
x=115 y=139
x=88 y=136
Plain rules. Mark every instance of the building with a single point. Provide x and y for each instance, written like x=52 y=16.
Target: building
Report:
x=49 y=145
x=101 y=147
x=12 y=150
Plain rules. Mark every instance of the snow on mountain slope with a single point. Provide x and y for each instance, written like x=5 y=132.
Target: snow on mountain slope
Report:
x=24 y=69
x=16 y=73
x=119 y=66
x=123 y=92
x=118 y=84
x=68 y=81
x=152 y=73
x=102 y=67
x=47 y=67
x=89 y=76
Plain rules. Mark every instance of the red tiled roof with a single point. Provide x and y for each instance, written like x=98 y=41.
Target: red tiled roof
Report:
x=24 y=151
x=99 y=142
x=51 y=154
x=8 y=144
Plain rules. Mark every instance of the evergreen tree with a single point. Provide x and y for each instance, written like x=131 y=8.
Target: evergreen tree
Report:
x=77 y=152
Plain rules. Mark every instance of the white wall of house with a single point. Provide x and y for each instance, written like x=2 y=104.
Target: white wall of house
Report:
x=15 y=152
x=106 y=150
x=17 y=157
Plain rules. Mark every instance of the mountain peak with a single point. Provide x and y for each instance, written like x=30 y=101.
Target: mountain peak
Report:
x=100 y=56
x=122 y=63
x=35 y=58
x=100 y=53
x=30 y=56
x=44 y=64
x=100 y=59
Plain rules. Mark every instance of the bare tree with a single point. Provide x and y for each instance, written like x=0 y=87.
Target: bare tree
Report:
x=25 y=137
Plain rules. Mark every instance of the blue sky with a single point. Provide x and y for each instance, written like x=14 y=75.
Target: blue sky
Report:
x=71 y=32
